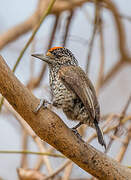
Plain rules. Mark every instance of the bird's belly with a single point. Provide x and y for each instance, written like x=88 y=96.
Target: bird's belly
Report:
x=69 y=102
x=62 y=97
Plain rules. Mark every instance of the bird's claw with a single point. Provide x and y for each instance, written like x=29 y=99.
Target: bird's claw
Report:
x=43 y=103
x=76 y=133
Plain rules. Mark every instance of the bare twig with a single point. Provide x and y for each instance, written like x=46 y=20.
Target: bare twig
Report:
x=124 y=57
x=22 y=28
x=24 y=161
x=39 y=163
x=32 y=152
x=33 y=83
x=67 y=172
x=63 y=166
x=46 y=12
x=32 y=134
x=67 y=28
x=124 y=145
x=120 y=121
x=101 y=69
x=96 y=21
x=125 y=17
x=15 y=32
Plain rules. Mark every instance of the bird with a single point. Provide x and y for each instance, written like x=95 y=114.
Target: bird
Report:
x=71 y=89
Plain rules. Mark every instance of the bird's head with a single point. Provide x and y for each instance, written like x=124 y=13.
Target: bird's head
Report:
x=58 y=56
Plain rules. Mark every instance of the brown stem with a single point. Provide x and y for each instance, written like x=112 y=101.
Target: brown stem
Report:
x=63 y=166
x=26 y=26
x=96 y=21
x=24 y=161
x=15 y=32
x=67 y=28
x=33 y=83
x=119 y=27
x=67 y=172
x=31 y=133
x=102 y=58
x=124 y=146
x=123 y=113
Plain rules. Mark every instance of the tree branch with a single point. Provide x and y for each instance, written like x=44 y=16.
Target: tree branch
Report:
x=50 y=128
x=15 y=32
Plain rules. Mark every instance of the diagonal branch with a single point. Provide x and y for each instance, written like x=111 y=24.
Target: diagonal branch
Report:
x=15 y=32
x=50 y=128
x=119 y=27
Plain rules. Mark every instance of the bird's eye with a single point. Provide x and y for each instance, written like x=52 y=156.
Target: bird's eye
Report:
x=54 y=53
x=57 y=55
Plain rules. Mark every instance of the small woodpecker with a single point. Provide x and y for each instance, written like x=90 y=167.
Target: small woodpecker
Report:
x=71 y=89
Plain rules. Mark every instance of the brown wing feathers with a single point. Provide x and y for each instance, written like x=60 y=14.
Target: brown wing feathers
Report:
x=76 y=80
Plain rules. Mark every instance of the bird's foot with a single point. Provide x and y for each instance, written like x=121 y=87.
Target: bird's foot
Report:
x=76 y=132
x=43 y=103
x=74 y=129
x=78 y=125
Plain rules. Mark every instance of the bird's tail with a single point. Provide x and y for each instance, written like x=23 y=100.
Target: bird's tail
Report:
x=99 y=134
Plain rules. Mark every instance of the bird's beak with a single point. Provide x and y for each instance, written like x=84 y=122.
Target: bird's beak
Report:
x=42 y=57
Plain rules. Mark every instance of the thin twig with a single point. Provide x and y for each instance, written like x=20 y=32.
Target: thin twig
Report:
x=96 y=21
x=46 y=12
x=124 y=146
x=67 y=28
x=33 y=83
x=39 y=163
x=120 y=120
x=58 y=170
x=32 y=134
x=128 y=18
x=101 y=69
x=24 y=161
x=32 y=152
x=67 y=172
x=124 y=57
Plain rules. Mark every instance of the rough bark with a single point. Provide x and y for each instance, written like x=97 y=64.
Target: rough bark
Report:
x=50 y=128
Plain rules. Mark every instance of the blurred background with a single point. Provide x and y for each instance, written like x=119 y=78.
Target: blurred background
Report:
x=98 y=34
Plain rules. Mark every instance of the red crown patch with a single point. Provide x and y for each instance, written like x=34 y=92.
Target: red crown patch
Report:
x=54 y=48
